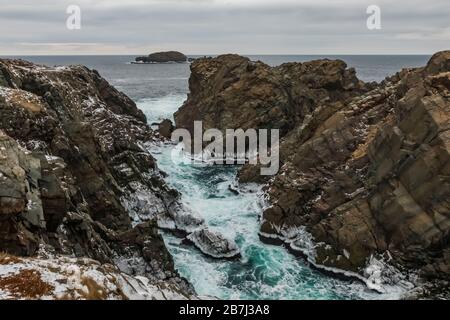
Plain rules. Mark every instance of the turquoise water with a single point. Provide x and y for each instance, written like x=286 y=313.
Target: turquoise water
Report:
x=264 y=271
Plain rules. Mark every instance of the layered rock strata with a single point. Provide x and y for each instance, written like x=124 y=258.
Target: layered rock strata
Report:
x=364 y=166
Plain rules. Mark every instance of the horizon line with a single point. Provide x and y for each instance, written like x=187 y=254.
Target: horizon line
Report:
x=219 y=54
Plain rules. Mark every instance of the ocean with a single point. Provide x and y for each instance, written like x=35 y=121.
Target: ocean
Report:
x=264 y=271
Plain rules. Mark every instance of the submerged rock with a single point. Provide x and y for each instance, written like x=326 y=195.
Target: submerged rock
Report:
x=214 y=244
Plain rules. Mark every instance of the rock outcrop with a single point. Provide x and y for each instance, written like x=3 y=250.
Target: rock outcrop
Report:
x=365 y=166
x=163 y=57
x=231 y=91
x=214 y=244
x=165 y=129
x=73 y=168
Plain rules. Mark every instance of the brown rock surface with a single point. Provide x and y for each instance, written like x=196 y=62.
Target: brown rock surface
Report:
x=365 y=167
x=165 y=129
x=233 y=92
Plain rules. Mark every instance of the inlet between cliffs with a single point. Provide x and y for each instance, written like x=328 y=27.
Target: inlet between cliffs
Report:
x=263 y=271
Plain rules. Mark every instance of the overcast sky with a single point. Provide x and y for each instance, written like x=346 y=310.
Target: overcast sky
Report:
x=222 y=26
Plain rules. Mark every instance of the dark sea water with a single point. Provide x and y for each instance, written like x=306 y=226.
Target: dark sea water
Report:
x=264 y=271
x=158 y=80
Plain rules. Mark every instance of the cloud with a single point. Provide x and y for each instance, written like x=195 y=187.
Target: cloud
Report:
x=219 y=26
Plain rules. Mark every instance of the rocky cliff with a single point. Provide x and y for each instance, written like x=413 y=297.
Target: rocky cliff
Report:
x=231 y=91
x=73 y=172
x=365 y=166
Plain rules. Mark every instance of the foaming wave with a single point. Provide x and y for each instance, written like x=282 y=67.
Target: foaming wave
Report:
x=157 y=109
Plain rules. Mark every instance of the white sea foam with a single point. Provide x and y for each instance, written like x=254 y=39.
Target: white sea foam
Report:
x=378 y=275
x=157 y=109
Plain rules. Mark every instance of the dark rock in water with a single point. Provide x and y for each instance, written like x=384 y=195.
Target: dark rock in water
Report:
x=364 y=167
x=233 y=190
x=213 y=244
x=163 y=57
x=165 y=128
x=180 y=219
x=73 y=174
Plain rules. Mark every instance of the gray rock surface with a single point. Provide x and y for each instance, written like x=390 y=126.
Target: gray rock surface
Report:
x=71 y=160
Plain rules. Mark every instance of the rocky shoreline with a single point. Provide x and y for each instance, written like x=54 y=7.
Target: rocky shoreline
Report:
x=78 y=185
x=76 y=182
x=365 y=166
x=363 y=189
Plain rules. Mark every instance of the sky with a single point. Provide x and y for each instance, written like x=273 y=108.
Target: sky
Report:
x=38 y=27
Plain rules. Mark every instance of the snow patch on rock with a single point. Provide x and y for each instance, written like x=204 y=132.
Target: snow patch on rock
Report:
x=80 y=279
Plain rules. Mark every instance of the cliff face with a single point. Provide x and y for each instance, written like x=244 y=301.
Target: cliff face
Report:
x=365 y=167
x=72 y=168
x=231 y=91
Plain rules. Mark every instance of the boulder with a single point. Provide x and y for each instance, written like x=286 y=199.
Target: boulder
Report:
x=214 y=244
x=165 y=129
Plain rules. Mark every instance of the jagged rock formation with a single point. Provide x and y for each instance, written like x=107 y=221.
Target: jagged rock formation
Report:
x=73 y=169
x=162 y=57
x=365 y=167
x=231 y=91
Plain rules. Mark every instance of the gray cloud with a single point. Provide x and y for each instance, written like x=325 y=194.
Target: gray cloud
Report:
x=219 y=26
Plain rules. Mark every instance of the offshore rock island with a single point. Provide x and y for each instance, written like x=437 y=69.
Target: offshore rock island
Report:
x=162 y=57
